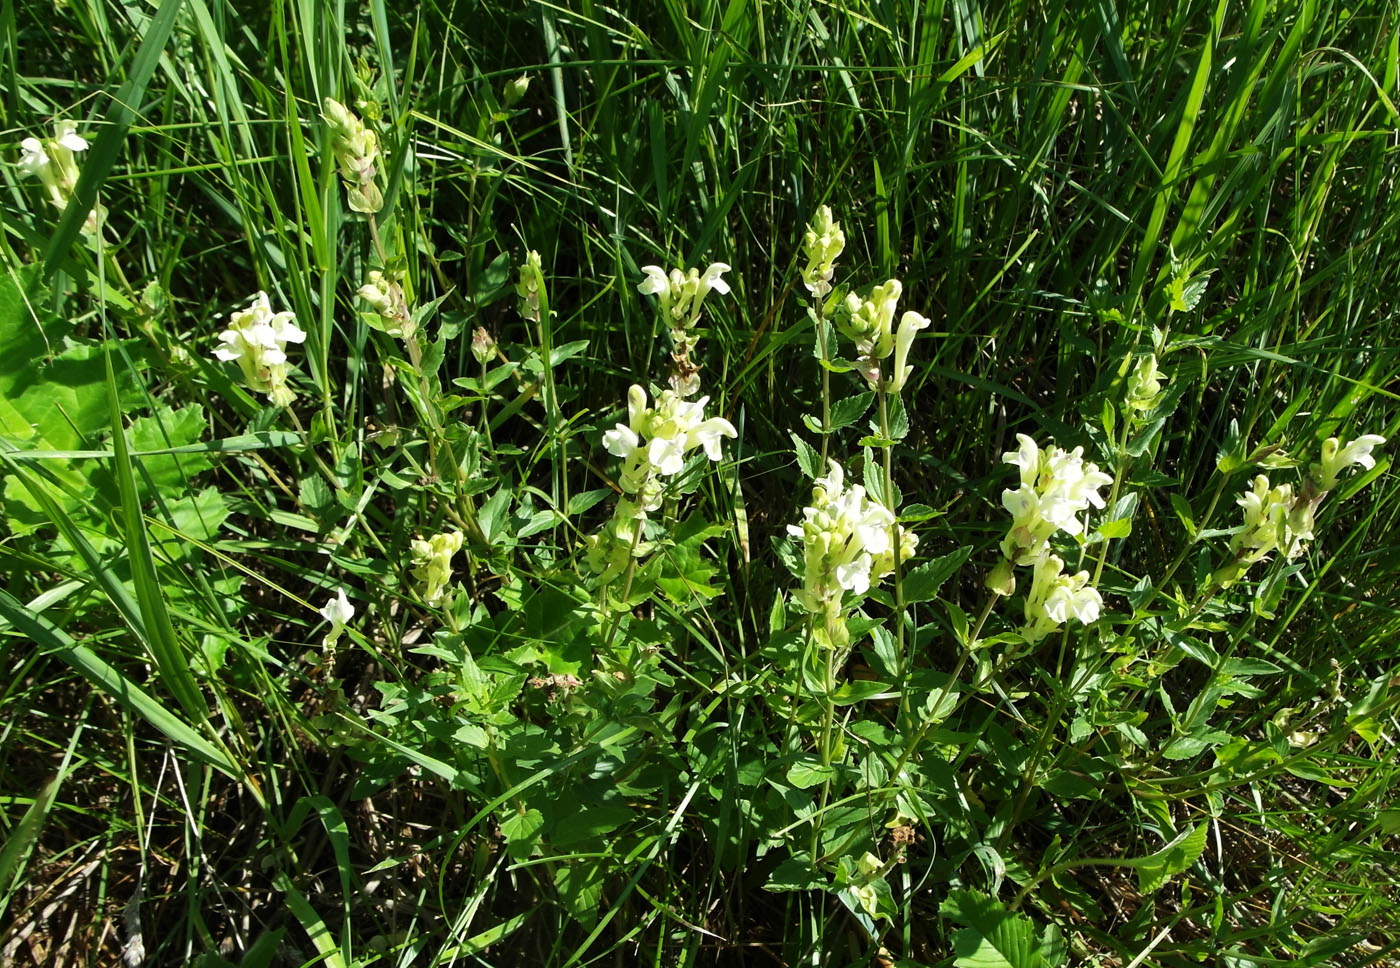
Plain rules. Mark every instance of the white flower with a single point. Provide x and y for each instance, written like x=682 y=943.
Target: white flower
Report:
x=1274 y=520
x=869 y=323
x=257 y=340
x=51 y=161
x=847 y=545
x=655 y=283
x=66 y=134
x=681 y=293
x=33 y=159
x=1056 y=485
x=655 y=440
x=1336 y=459
x=909 y=325
x=621 y=441
x=1055 y=597
x=338 y=612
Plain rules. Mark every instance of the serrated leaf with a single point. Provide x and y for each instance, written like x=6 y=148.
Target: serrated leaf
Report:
x=1175 y=858
x=807 y=458
x=898 y=417
x=848 y=411
x=922 y=582
x=994 y=937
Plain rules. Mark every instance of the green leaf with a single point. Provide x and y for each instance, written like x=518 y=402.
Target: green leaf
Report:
x=858 y=690
x=807 y=458
x=1117 y=528
x=1175 y=858
x=807 y=773
x=687 y=570
x=899 y=418
x=921 y=583
x=795 y=874
x=1182 y=507
x=522 y=832
x=994 y=937
x=578 y=503
x=848 y=411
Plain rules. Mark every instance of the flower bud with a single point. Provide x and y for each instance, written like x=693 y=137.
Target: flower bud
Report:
x=515 y=90
x=483 y=346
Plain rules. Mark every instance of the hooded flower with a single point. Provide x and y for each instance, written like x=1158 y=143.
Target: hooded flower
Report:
x=338 y=612
x=869 y=323
x=847 y=546
x=51 y=161
x=655 y=440
x=432 y=563
x=1056 y=485
x=680 y=295
x=1055 y=597
x=257 y=340
x=653 y=445
x=1274 y=520
x=1336 y=458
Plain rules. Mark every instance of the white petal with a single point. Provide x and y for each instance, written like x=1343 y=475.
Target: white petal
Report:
x=712 y=277
x=855 y=576
x=666 y=454
x=620 y=441
x=655 y=282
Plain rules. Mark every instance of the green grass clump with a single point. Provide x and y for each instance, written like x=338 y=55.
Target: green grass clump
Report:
x=586 y=697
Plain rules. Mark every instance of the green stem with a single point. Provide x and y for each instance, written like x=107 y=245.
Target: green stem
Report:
x=826 y=380
x=967 y=650
x=901 y=663
x=616 y=616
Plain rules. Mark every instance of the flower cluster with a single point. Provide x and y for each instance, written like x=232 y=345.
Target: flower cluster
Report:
x=1055 y=596
x=679 y=297
x=847 y=545
x=387 y=297
x=1274 y=520
x=869 y=323
x=1280 y=519
x=432 y=563
x=356 y=149
x=1056 y=486
x=257 y=339
x=653 y=445
x=1144 y=387
x=822 y=243
x=51 y=161
x=528 y=288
